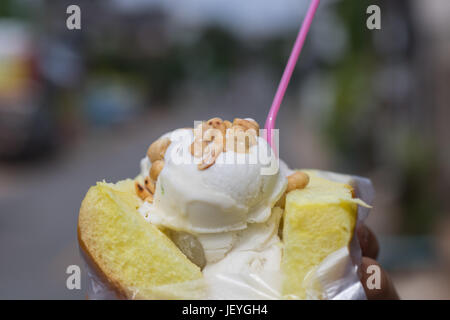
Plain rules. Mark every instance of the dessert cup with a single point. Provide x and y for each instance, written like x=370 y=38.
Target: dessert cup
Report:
x=196 y=225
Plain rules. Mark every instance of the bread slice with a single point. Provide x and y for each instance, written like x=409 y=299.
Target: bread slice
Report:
x=318 y=220
x=134 y=257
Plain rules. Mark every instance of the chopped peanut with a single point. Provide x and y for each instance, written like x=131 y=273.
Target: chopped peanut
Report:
x=197 y=148
x=141 y=191
x=215 y=135
x=211 y=152
x=297 y=180
x=217 y=123
x=156 y=168
x=247 y=124
x=157 y=149
x=239 y=139
x=149 y=184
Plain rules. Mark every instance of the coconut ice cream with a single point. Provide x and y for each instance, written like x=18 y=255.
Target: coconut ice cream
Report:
x=225 y=205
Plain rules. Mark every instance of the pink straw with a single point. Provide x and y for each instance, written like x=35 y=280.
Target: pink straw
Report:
x=271 y=118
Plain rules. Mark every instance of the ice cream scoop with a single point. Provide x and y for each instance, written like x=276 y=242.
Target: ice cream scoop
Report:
x=224 y=204
x=224 y=197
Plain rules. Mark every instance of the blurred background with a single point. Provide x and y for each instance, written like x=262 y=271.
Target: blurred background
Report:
x=78 y=106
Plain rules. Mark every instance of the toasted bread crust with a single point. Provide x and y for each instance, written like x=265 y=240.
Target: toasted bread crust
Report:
x=107 y=280
x=118 y=284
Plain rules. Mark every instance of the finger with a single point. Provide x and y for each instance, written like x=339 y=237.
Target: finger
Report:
x=376 y=282
x=368 y=242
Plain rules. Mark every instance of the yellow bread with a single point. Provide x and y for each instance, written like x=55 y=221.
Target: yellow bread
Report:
x=318 y=220
x=135 y=258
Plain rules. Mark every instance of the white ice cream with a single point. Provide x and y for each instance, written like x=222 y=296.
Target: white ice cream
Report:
x=228 y=207
x=224 y=197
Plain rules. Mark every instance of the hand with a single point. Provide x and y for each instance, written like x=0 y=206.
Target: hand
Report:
x=370 y=248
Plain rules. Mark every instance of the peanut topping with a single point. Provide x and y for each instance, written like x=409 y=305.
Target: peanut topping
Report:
x=150 y=185
x=157 y=149
x=197 y=147
x=297 y=180
x=208 y=142
x=141 y=191
x=217 y=123
x=247 y=124
x=239 y=139
x=156 y=168
x=211 y=152
x=215 y=136
x=155 y=153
